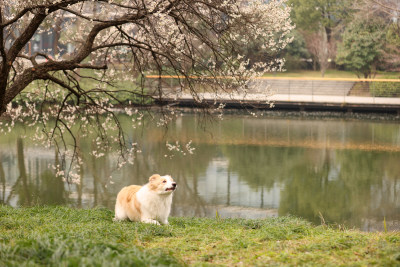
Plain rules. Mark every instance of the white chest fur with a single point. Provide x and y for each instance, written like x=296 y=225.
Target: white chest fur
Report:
x=154 y=206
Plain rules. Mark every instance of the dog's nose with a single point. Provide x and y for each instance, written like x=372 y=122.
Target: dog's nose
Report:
x=173 y=185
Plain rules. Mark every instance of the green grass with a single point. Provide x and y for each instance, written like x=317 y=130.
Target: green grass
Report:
x=60 y=236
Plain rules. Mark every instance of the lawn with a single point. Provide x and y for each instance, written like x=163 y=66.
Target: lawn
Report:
x=61 y=236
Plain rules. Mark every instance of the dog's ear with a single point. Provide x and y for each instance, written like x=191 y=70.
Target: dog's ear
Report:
x=153 y=177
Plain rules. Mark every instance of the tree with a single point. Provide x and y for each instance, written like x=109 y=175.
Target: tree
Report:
x=389 y=12
x=114 y=44
x=296 y=54
x=317 y=20
x=162 y=36
x=362 y=46
x=388 y=9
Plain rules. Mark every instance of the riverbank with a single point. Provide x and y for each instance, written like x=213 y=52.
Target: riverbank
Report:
x=57 y=236
x=285 y=102
x=301 y=94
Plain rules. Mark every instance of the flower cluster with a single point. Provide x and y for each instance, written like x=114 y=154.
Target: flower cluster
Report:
x=186 y=149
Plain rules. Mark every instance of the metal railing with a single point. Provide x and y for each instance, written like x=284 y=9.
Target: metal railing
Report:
x=309 y=89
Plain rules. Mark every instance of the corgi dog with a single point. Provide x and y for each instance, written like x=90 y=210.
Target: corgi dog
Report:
x=150 y=203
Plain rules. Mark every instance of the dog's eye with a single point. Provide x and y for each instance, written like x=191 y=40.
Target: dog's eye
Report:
x=164 y=181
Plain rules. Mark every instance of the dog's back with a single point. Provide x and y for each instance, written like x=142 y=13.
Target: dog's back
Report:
x=127 y=205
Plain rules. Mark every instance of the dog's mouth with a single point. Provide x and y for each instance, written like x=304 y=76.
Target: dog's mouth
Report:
x=170 y=189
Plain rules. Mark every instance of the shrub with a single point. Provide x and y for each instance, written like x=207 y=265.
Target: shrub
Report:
x=385 y=89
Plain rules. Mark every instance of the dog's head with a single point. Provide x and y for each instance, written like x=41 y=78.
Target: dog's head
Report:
x=162 y=184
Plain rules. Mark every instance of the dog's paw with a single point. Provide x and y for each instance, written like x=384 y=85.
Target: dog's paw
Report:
x=150 y=221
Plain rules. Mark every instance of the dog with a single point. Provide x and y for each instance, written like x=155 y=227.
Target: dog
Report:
x=150 y=203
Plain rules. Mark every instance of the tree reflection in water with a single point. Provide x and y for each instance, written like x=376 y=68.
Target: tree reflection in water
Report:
x=29 y=189
x=2 y=181
x=346 y=170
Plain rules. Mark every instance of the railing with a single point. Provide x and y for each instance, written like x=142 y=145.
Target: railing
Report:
x=310 y=89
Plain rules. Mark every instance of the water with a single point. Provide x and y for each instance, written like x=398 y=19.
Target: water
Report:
x=344 y=170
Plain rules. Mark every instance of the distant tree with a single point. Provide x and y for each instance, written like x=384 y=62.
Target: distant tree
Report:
x=317 y=20
x=296 y=52
x=362 y=46
x=388 y=9
x=389 y=12
x=392 y=48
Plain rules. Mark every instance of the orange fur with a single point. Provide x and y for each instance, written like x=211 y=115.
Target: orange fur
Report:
x=127 y=196
x=155 y=181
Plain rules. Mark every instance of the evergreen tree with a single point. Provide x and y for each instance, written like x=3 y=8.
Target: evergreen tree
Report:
x=362 y=46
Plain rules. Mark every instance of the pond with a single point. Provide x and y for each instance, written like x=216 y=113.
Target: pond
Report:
x=340 y=170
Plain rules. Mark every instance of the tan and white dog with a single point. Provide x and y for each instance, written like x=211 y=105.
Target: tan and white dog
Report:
x=150 y=203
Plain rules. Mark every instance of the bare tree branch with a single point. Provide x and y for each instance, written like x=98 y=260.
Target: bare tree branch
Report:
x=62 y=84
x=50 y=7
x=392 y=8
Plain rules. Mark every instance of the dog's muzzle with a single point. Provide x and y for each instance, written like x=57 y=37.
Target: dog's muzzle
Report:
x=171 y=188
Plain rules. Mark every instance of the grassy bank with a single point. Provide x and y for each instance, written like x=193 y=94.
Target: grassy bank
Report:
x=60 y=236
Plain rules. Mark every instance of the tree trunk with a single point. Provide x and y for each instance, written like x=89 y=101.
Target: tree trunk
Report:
x=314 y=59
x=373 y=70
x=324 y=51
x=3 y=87
x=57 y=34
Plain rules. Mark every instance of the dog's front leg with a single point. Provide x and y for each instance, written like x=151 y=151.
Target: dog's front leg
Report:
x=148 y=220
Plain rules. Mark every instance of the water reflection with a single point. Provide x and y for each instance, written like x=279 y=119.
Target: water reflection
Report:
x=346 y=170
